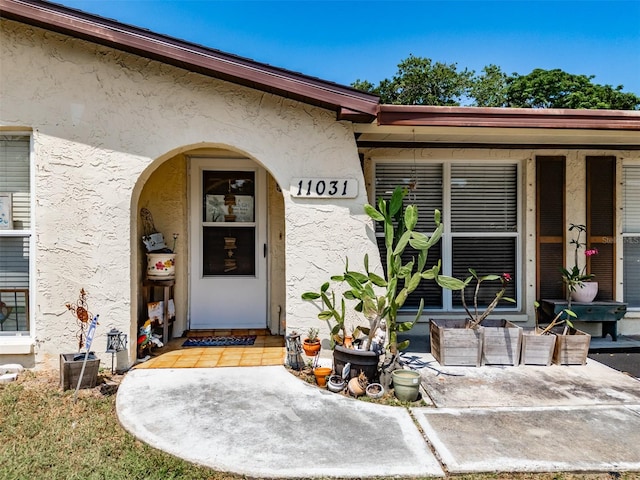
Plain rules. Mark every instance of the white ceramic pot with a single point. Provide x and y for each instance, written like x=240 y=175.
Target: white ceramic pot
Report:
x=336 y=383
x=161 y=266
x=375 y=390
x=585 y=293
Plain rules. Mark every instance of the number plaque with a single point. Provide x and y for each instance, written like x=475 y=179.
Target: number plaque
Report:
x=324 y=187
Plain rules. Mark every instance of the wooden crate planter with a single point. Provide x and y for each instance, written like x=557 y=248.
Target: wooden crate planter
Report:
x=453 y=344
x=537 y=349
x=71 y=366
x=501 y=342
x=571 y=349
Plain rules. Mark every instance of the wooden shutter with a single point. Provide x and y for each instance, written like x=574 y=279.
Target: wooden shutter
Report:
x=550 y=238
x=601 y=175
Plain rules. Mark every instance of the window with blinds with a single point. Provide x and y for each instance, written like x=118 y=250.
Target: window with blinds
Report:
x=631 y=235
x=479 y=203
x=15 y=232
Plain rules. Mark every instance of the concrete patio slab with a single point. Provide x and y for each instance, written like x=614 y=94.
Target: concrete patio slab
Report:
x=525 y=385
x=264 y=422
x=542 y=439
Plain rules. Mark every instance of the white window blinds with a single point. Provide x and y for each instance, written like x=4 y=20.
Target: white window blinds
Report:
x=480 y=201
x=483 y=198
x=631 y=235
x=15 y=236
x=14 y=177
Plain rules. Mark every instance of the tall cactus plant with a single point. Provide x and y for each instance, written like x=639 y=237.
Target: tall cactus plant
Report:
x=379 y=298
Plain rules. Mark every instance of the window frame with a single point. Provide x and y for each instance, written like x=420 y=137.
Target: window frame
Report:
x=10 y=341
x=448 y=235
x=627 y=237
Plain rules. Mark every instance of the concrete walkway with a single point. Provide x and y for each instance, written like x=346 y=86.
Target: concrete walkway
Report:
x=264 y=422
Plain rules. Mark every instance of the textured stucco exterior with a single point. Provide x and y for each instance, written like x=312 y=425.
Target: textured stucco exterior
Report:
x=104 y=124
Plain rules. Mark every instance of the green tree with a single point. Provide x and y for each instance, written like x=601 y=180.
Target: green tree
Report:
x=489 y=89
x=420 y=81
x=559 y=89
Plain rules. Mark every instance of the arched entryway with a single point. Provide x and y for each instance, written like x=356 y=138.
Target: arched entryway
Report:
x=215 y=283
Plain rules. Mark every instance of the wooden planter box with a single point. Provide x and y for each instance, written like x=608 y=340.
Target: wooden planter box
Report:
x=537 y=349
x=71 y=366
x=501 y=342
x=571 y=349
x=453 y=344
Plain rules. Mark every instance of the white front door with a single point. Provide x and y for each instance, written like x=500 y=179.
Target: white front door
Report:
x=228 y=284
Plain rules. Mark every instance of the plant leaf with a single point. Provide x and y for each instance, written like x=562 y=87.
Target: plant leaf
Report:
x=410 y=217
x=377 y=280
x=450 y=283
x=419 y=241
x=373 y=213
x=310 y=296
x=402 y=243
x=396 y=200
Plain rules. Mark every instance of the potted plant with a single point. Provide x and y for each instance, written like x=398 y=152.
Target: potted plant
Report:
x=476 y=339
x=538 y=344
x=311 y=344
x=72 y=373
x=379 y=298
x=580 y=288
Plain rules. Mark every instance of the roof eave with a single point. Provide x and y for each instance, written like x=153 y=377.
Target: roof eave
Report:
x=355 y=105
x=428 y=116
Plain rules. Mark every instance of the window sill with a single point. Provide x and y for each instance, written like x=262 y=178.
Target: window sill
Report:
x=16 y=345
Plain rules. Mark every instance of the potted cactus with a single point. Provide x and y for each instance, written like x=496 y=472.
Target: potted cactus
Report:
x=378 y=298
x=311 y=344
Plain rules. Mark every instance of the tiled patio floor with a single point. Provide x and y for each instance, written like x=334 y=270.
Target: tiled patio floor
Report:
x=267 y=350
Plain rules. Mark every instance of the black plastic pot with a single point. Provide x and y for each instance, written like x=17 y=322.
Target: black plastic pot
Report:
x=360 y=360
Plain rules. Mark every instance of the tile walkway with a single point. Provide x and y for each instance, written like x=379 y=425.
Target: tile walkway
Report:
x=267 y=350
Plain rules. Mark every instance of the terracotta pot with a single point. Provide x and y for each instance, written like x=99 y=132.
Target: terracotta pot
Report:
x=355 y=388
x=321 y=374
x=311 y=349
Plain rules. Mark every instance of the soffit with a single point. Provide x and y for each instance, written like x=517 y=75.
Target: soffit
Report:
x=350 y=104
x=406 y=126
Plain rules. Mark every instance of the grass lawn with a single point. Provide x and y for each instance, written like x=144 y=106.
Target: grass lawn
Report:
x=44 y=435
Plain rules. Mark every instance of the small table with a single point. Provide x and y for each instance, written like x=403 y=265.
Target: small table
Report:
x=167 y=287
x=606 y=312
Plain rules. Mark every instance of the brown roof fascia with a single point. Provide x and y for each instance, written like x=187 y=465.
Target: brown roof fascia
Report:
x=349 y=103
x=418 y=115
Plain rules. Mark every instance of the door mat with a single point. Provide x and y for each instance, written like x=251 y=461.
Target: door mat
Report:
x=215 y=341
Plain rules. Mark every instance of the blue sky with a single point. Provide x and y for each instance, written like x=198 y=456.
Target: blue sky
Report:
x=342 y=41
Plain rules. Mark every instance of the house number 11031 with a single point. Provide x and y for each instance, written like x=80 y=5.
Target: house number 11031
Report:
x=324 y=187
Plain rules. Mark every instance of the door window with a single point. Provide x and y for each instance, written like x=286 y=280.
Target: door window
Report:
x=229 y=226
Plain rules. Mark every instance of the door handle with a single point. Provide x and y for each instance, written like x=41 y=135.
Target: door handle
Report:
x=265 y=250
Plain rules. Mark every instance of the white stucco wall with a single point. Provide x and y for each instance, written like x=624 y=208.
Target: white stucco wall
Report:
x=102 y=122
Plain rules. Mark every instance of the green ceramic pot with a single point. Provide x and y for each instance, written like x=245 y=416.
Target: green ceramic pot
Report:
x=406 y=385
